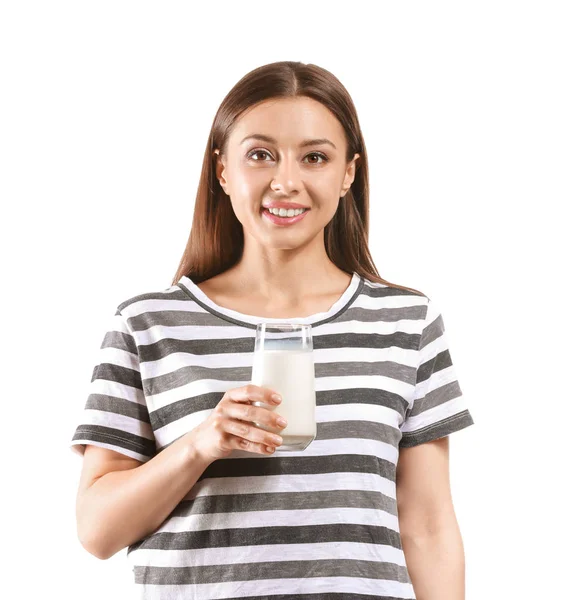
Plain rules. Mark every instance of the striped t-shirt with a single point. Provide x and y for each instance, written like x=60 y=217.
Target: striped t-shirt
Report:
x=319 y=523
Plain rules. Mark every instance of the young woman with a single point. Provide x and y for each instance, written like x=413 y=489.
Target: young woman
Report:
x=175 y=468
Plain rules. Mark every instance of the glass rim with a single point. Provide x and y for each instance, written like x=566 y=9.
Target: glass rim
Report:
x=287 y=325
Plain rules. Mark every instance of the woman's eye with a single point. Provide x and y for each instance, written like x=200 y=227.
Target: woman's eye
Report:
x=256 y=152
x=316 y=154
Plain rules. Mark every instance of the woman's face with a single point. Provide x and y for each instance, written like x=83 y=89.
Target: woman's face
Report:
x=255 y=172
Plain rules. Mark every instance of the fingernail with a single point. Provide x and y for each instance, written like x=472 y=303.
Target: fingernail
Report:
x=276 y=398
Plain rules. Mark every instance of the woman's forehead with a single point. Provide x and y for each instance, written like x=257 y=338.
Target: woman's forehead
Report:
x=293 y=122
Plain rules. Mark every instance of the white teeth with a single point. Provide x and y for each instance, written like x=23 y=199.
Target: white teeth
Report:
x=283 y=212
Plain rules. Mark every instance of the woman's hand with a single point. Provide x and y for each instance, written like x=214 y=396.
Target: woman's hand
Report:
x=231 y=425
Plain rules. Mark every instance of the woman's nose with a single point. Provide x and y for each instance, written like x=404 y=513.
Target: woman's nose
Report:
x=286 y=176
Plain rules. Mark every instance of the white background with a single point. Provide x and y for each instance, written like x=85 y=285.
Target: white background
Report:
x=468 y=113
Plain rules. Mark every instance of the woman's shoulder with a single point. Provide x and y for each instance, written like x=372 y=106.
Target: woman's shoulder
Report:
x=139 y=301
x=381 y=288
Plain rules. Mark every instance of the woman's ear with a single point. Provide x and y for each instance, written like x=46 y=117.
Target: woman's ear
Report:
x=349 y=176
x=220 y=166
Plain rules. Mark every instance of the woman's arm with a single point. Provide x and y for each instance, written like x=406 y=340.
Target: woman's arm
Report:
x=428 y=527
x=122 y=506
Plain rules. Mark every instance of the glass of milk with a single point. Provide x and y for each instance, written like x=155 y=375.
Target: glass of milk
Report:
x=283 y=362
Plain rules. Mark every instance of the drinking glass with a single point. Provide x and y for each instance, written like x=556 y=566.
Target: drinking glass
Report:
x=283 y=362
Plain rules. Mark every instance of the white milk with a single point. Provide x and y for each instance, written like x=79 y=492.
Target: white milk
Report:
x=291 y=374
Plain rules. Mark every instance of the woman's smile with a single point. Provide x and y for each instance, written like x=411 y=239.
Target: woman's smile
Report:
x=298 y=215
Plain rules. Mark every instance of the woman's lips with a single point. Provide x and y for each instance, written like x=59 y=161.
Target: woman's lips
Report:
x=283 y=220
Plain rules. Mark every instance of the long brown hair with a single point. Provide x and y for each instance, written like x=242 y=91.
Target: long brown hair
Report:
x=216 y=240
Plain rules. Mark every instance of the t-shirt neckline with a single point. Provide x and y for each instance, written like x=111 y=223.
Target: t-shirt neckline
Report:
x=349 y=295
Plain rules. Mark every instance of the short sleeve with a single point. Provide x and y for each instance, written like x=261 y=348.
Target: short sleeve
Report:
x=438 y=407
x=115 y=415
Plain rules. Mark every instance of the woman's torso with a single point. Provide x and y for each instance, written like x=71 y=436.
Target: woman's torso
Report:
x=323 y=520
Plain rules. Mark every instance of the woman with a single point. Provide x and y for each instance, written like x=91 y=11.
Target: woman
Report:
x=174 y=466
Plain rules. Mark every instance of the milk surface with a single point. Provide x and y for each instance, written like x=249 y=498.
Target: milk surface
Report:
x=291 y=374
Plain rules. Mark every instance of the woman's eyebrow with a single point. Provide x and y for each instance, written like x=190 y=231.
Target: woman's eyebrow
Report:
x=266 y=138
